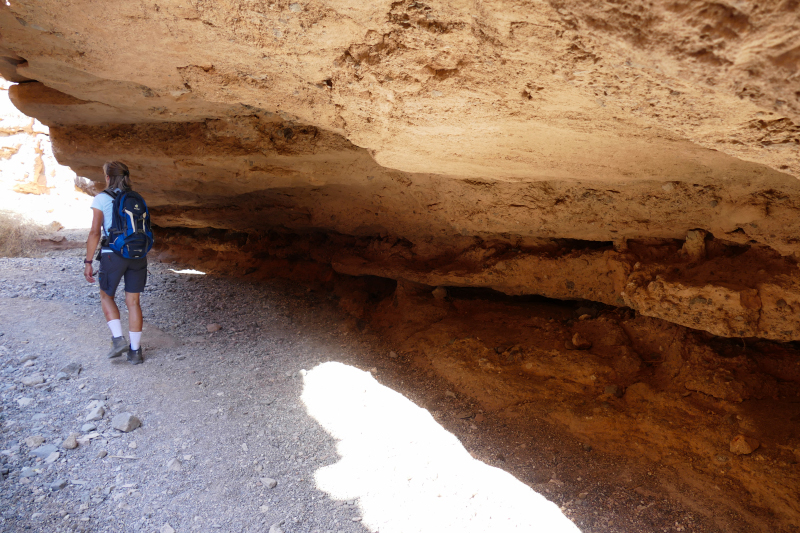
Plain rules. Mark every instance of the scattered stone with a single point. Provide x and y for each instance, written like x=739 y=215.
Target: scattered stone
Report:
x=479 y=417
x=276 y=527
x=639 y=392
x=96 y=414
x=72 y=369
x=101 y=454
x=393 y=354
x=212 y=328
x=27 y=364
x=34 y=442
x=133 y=445
x=742 y=445
x=52 y=458
x=166 y=528
x=44 y=451
x=28 y=358
x=25 y=402
x=465 y=414
x=439 y=293
x=125 y=422
x=57 y=485
x=611 y=389
x=27 y=472
x=295 y=7
x=98 y=397
x=71 y=442
x=32 y=380
x=695 y=245
x=584 y=310
x=61 y=376
x=450 y=394
x=174 y=465
x=269 y=482
x=580 y=343
x=89 y=426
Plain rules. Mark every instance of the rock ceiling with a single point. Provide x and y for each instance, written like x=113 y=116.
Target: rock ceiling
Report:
x=586 y=138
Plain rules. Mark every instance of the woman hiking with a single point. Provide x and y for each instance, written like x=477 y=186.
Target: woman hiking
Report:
x=113 y=268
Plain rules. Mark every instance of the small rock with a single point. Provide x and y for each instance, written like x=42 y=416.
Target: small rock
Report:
x=27 y=472
x=465 y=414
x=585 y=310
x=71 y=442
x=269 y=482
x=295 y=7
x=133 y=446
x=741 y=445
x=174 y=465
x=28 y=358
x=439 y=293
x=33 y=379
x=479 y=418
x=450 y=394
x=101 y=454
x=72 y=369
x=611 y=389
x=98 y=397
x=25 y=402
x=96 y=414
x=276 y=527
x=52 y=458
x=393 y=354
x=125 y=422
x=34 y=442
x=44 y=451
x=580 y=343
x=57 y=485
x=61 y=376
x=166 y=528
x=211 y=328
x=89 y=426
x=587 y=316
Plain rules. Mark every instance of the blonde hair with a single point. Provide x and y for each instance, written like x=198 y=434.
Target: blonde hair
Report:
x=119 y=177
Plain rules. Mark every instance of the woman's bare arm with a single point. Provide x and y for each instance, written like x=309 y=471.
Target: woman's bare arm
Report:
x=91 y=243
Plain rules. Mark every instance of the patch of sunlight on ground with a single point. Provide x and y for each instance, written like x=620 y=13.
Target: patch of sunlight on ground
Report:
x=188 y=271
x=408 y=473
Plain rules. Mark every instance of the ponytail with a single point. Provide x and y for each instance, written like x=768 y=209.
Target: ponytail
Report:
x=119 y=177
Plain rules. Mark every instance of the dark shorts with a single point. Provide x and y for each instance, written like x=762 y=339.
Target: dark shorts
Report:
x=113 y=268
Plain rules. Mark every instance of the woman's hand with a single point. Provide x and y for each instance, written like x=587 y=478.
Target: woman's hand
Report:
x=88 y=274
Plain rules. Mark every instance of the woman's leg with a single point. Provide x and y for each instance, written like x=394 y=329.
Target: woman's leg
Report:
x=110 y=309
x=134 y=312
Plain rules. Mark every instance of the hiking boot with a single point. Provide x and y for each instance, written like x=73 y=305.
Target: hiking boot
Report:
x=119 y=345
x=135 y=356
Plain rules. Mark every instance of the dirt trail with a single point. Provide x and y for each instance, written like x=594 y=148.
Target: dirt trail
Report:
x=277 y=393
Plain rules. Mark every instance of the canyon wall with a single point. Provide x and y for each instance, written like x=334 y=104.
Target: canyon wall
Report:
x=641 y=154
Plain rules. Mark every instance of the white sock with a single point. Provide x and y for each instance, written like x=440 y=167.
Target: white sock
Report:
x=116 y=327
x=136 y=337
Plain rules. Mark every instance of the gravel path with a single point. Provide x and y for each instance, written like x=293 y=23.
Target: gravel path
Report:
x=274 y=422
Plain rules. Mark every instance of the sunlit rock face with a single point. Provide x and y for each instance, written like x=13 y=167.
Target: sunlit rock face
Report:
x=563 y=148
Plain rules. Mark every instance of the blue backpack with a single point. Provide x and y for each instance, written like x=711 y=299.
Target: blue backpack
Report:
x=130 y=235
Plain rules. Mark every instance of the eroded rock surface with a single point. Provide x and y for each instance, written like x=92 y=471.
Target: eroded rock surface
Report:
x=539 y=148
